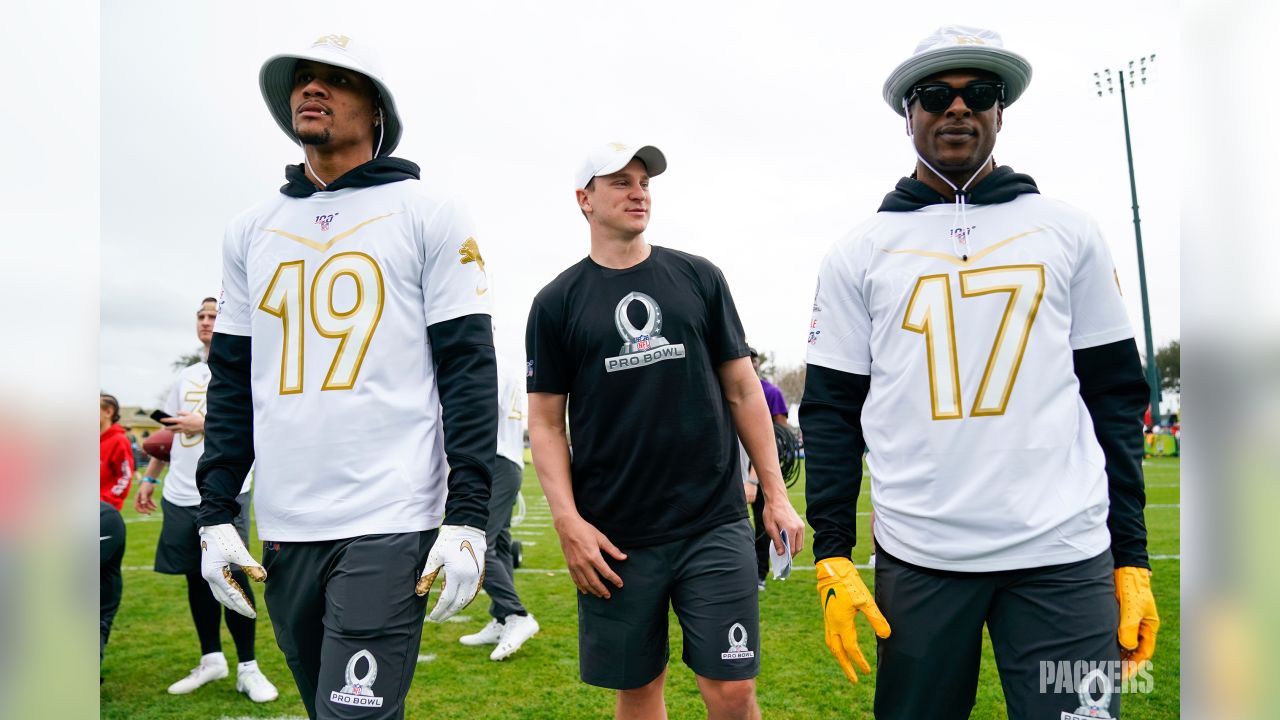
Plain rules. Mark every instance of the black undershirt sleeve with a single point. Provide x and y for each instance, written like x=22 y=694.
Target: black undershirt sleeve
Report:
x=228 y=430
x=467 y=374
x=831 y=422
x=1117 y=395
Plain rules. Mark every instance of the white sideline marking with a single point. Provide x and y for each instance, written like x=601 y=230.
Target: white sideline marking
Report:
x=1167 y=557
x=132 y=568
x=144 y=518
x=426 y=658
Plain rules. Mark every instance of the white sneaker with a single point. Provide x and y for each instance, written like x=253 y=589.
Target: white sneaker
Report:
x=515 y=631
x=489 y=635
x=253 y=683
x=871 y=561
x=207 y=671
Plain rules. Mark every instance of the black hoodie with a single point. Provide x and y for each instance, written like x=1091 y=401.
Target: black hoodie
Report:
x=466 y=371
x=1002 y=185
x=378 y=171
x=1111 y=384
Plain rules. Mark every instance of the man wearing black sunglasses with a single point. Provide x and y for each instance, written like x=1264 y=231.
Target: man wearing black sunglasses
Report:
x=972 y=335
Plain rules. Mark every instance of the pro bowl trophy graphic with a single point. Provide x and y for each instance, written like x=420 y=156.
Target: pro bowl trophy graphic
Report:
x=359 y=690
x=1090 y=706
x=641 y=345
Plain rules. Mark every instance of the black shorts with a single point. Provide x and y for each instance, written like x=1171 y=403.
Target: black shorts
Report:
x=1041 y=620
x=708 y=579
x=346 y=617
x=178 y=550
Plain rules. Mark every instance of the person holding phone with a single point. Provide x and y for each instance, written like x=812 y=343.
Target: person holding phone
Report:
x=178 y=550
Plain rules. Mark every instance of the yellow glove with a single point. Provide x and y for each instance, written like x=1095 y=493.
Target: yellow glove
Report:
x=1138 y=619
x=842 y=594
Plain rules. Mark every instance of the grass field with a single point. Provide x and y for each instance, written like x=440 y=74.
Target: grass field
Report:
x=154 y=643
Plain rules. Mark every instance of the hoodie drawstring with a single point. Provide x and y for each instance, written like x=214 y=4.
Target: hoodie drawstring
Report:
x=381 y=132
x=959 y=218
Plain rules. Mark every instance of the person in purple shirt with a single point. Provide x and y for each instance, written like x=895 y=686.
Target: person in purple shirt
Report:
x=773 y=396
x=777 y=404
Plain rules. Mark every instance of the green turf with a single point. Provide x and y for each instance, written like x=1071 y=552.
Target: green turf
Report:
x=154 y=643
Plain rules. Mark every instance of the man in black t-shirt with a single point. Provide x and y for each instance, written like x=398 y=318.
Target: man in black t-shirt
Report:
x=644 y=346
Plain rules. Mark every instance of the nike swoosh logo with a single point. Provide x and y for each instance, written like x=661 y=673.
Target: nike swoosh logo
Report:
x=466 y=545
x=957 y=261
x=324 y=247
x=104 y=537
x=481 y=291
x=831 y=592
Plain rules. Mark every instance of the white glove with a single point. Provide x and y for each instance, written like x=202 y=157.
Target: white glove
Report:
x=459 y=551
x=221 y=546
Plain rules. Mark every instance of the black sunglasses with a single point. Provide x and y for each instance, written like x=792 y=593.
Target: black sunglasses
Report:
x=978 y=96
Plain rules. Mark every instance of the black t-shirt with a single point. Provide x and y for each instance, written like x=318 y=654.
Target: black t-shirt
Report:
x=655 y=455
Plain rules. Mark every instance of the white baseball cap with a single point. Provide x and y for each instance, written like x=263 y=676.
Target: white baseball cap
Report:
x=275 y=79
x=612 y=157
x=957 y=47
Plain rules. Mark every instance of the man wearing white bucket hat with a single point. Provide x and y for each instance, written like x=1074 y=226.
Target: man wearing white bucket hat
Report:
x=649 y=507
x=972 y=335
x=353 y=358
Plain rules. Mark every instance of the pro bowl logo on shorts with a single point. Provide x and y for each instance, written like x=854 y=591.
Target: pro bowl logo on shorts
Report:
x=358 y=691
x=738 y=649
x=641 y=345
x=1090 y=706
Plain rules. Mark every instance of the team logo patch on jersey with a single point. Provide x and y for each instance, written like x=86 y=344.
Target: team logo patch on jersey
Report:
x=528 y=369
x=358 y=691
x=738 y=649
x=644 y=345
x=814 y=332
x=470 y=252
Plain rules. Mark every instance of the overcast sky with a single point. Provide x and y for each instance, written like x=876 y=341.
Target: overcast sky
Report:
x=769 y=113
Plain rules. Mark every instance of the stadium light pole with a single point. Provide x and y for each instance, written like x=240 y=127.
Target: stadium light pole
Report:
x=1137 y=73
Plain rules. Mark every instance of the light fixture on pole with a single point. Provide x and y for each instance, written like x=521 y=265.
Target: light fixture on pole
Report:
x=1137 y=72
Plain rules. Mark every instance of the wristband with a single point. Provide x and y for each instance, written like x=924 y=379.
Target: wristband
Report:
x=150 y=480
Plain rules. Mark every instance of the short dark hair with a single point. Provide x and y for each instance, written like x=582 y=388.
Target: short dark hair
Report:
x=105 y=400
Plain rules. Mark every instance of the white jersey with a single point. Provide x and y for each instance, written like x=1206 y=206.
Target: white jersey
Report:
x=981 y=450
x=337 y=290
x=513 y=406
x=188 y=395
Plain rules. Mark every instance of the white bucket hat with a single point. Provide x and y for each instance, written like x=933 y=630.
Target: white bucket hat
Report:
x=612 y=157
x=956 y=47
x=276 y=82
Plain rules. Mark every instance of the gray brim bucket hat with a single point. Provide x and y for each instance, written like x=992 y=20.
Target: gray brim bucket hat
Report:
x=956 y=47
x=275 y=79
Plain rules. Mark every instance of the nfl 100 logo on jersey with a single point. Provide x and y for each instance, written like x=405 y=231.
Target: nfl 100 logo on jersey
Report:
x=642 y=345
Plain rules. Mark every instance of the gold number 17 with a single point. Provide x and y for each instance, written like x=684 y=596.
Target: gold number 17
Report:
x=929 y=313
